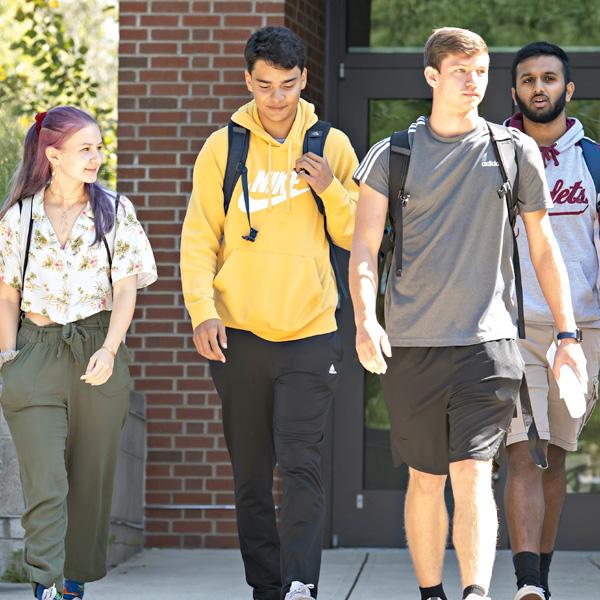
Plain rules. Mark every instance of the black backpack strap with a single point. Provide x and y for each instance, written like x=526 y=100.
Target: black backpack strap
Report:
x=506 y=153
x=314 y=141
x=591 y=155
x=28 y=244
x=398 y=197
x=239 y=141
x=106 y=246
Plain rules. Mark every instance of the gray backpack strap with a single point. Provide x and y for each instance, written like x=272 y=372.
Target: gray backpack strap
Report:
x=506 y=153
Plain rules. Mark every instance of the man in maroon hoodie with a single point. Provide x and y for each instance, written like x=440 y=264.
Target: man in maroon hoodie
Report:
x=535 y=498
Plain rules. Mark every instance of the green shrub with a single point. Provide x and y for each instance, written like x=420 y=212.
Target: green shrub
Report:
x=15 y=572
x=12 y=132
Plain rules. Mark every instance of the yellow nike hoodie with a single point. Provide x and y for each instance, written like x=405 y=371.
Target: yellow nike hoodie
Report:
x=281 y=286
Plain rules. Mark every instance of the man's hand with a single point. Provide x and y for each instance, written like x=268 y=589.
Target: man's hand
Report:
x=569 y=352
x=371 y=340
x=209 y=338
x=315 y=170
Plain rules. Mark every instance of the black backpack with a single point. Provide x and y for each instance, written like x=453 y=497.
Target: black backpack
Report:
x=239 y=142
x=392 y=243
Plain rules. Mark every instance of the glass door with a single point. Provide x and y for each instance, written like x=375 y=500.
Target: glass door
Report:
x=378 y=87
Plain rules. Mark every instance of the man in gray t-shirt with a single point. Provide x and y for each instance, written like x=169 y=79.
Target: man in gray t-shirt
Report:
x=453 y=378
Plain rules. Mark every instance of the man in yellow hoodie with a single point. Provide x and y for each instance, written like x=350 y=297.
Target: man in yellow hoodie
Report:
x=260 y=289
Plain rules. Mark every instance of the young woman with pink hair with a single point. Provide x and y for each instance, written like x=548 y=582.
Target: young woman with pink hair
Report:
x=72 y=256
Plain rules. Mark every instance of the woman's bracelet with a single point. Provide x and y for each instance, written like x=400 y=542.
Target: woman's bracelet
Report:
x=114 y=354
x=7 y=356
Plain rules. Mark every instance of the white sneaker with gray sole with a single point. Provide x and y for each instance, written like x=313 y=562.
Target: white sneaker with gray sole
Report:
x=300 y=591
x=530 y=592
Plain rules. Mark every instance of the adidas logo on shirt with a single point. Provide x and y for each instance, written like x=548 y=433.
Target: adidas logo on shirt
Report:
x=489 y=163
x=332 y=370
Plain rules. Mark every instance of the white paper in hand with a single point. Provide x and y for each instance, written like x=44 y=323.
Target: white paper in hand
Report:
x=570 y=388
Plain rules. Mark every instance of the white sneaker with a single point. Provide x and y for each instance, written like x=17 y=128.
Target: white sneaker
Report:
x=300 y=591
x=50 y=593
x=530 y=592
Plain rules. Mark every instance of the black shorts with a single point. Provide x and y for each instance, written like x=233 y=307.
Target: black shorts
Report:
x=451 y=403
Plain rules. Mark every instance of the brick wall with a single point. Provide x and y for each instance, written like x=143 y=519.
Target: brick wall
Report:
x=308 y=19
x=180 y=78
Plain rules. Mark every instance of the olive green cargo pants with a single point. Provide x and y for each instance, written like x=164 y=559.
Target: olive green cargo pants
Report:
x=67 y=435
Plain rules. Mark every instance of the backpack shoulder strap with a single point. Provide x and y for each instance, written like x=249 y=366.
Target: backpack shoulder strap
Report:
x=398 y=171
x=399 y=163
x=315 y=138
x=314 y=141
x=109 y=237
x=591 y=155
x=506 y=153
x=26 y=212
x=239 y=141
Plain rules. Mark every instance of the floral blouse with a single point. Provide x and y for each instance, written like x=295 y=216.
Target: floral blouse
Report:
x=71 y=283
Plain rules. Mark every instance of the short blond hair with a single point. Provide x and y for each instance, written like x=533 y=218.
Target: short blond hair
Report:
x=451 y=40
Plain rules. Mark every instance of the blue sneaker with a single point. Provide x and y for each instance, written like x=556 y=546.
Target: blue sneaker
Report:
x=72 y=590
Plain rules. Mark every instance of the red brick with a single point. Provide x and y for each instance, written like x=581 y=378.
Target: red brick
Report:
x=194 y=441
x=220 y=541
x=158 y=441
x=232 y=7
x=133 y=34
x=157 y=526
x=155 y=498
x=163 y=427
x=170 y=34
x=170 y=62
x=158 y=48
x=228 y=34
x=159 y=21
x=192 y=527
x=202 y=20
x=251 y=21
x=169 y=6
x=192 y=498
x=163 y=541
x=157 y=485
x=132 y=7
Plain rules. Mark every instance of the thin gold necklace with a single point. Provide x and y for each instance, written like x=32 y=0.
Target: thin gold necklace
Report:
x=65 y=212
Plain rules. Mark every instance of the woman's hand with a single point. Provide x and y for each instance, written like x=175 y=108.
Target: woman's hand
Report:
x=100 y=367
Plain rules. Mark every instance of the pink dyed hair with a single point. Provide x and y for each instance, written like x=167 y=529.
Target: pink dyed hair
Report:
x=34 y=172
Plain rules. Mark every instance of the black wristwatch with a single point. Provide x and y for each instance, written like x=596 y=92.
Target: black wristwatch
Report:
x=570 y=335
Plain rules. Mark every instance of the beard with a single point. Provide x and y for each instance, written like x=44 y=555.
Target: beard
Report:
x=547 y=115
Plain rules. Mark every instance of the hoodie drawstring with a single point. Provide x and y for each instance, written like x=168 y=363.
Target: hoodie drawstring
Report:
x=550 y=153
x=270 y=177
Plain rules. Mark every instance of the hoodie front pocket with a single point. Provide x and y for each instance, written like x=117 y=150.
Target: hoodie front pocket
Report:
x=263 y=291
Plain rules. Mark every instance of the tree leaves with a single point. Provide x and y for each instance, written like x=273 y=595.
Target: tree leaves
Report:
x=51 y=70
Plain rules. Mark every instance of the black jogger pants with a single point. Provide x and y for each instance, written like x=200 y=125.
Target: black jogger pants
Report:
x=276 y=398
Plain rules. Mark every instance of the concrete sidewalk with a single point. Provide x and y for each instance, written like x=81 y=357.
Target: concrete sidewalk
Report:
x=356 y=574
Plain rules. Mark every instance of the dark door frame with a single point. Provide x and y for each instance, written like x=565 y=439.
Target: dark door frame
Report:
x=362 y=517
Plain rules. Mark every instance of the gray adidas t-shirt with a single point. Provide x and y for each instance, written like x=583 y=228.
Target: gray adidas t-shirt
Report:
x=457 y=284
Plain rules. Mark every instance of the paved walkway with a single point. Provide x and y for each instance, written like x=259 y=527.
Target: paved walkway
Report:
x=357 y=574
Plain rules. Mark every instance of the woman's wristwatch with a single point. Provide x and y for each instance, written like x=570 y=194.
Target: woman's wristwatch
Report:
x=576 y=335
